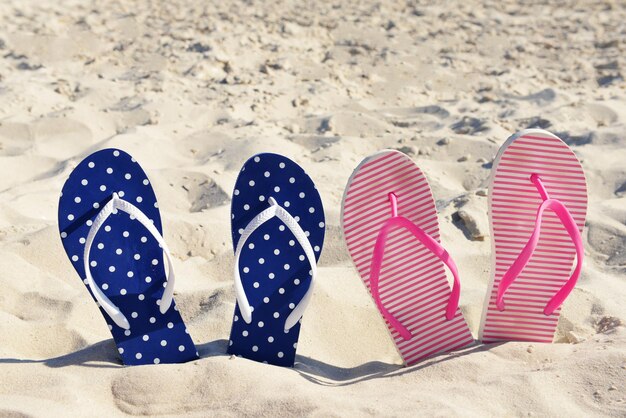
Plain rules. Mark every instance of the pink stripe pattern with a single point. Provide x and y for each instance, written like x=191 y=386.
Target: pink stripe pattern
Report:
x=412 y=284
x=513 y=204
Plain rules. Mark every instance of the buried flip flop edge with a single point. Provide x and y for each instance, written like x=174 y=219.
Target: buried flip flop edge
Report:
x=390 y=226
x=533 y=249
x=110 y=227
x=278 y=229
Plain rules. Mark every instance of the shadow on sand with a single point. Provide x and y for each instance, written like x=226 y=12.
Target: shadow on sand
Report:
x=328 y=375
x=104 y=355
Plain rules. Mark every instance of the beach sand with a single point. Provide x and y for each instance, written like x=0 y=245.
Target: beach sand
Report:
x=192 y=90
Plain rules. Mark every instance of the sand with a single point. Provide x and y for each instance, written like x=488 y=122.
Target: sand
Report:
x=191 y=91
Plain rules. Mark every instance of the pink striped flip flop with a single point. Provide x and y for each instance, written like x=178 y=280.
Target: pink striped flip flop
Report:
x=390 y=226
x=533 y=249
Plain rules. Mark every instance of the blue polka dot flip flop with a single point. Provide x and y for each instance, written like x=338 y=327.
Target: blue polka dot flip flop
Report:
x=278 y=232
x=111 y=230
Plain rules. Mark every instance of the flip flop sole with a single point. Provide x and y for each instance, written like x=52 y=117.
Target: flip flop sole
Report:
x=273 y=267
x=513 y=203
x=126 y=261
x=413 y=284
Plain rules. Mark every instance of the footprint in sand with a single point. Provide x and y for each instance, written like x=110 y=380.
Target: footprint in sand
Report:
x=61 y=138
x=602 y=114
x=425 y=117
x=609 y=240
x=542 y=97
x=28 y=151
x=15 y=138
x=205 y=194
x=608 y=73
x=131 y=397
x=42 y=308
x=347 y=124
x=198 y=190
x=469 y=126
x=621 y=190
x=576 y=140
x=204 y=146
x=200 y=307
x=536 y=122
x=130 y=113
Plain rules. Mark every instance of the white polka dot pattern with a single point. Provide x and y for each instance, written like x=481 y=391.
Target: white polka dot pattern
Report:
x=126 y=261
x=274 y=271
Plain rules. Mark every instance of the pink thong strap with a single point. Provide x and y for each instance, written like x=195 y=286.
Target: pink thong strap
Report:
x=516 y=268
x=431 y=244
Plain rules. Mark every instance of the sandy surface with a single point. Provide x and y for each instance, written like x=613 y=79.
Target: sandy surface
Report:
x=192 y=91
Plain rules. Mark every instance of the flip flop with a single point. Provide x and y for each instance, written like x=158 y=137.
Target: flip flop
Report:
x=111 y=230
x=278 y=232
x=390 y=225
x=533 y=249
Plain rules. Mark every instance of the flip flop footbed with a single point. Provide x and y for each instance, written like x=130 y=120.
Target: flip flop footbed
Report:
x=126 y=261
x=274 y=270
x=413 y=284
x=513 y=203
